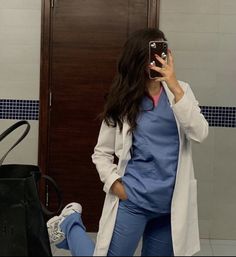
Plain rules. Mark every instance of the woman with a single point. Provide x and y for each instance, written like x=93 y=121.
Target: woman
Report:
x=152 y=192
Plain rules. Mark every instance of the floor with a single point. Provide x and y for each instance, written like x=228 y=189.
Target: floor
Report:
x=208 y=248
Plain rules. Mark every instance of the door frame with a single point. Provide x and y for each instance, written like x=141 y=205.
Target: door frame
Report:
x=45 y=73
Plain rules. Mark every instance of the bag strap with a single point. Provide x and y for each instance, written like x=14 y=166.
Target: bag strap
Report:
x=59 y=197
x=9 y=131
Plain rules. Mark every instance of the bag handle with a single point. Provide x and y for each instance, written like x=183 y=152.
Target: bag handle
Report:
x=9 y=131
x=59 y=197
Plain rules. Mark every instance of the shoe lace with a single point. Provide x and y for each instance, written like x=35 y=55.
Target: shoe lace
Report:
x=56 y=234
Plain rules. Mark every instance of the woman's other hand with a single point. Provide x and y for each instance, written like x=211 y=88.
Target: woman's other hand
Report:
x=118 y=189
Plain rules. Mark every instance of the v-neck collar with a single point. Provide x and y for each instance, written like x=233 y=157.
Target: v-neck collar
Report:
x=156 y=98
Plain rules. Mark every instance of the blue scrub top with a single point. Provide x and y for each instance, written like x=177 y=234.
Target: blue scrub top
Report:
x=150 y=174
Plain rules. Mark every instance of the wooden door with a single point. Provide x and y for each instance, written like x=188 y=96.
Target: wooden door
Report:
x=81 y=41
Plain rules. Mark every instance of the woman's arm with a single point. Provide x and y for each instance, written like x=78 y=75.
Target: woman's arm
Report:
x=185 y=106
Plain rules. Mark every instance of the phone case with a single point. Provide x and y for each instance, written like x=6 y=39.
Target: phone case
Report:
x=160 y=48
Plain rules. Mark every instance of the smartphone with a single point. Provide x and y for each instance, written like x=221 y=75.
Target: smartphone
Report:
x=160 y=48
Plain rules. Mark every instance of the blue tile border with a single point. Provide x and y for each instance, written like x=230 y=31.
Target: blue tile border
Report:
x=19 y=109
x=217 y=116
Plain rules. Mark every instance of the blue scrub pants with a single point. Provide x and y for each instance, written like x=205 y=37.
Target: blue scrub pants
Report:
x=132 y=224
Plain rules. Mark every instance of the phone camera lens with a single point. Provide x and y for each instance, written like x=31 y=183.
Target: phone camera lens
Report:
x=153 y=45
x=163 y=55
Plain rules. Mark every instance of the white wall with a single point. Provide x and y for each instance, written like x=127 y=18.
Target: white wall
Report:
x=20 y=24
x=202 y=35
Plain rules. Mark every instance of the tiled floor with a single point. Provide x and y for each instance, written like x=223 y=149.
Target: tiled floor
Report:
x=208 y=248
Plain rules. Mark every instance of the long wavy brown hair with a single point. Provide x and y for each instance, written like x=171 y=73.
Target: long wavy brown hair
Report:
x=130 y=83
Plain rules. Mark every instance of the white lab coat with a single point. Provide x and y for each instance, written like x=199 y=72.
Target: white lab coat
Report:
x=192 y=126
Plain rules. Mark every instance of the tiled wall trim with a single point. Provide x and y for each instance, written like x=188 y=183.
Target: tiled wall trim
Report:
x=220 y=116
x=19 y=109
x=29 y=110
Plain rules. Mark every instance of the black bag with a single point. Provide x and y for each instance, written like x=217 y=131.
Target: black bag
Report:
x=23 y=230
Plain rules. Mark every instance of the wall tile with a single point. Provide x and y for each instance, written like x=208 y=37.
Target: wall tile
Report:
x=200 y=42
x=196 y=60
x=227 y=6
x=223 y=203
x=20 y=4
x=204 y=166
x=21 y=72
x=203 y=83
x=190 y=6
x=14 y=54
x=22 y=90
x=205 y=194
x=20 y=18
x=227 y=43
x=26 y=152
x=20 y=36
x=226 y=24
x=204 y=228
x=223 y=250
x=225 y=93
x=194 y=23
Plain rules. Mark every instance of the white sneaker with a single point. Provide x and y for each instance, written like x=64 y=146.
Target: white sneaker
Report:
x=54 y=231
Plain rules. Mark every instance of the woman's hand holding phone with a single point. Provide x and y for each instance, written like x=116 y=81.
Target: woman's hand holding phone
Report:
x=118 y=189
x=168 y=75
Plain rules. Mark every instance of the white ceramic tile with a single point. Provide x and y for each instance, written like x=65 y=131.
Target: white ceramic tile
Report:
x=225 y=92
x=183 y=41
x=227 y=43
x=19 y=72
x=196 y=60
x=223 y=224
x=28 y=90
x=27 y=151
x=14 y=54
x=60 y=252
x=223 y=242
x=20 y=36
x=20 y=18
x=224 y=250
x=227 y=6
x=226 y=61
x=200 y=80
x=206 y=249
x=223 y=218
x=190 y=6
x=93 y=236
x=203 y=83
x=204 y=241
x=226 y=24
x=194 y=23
x=204 y=228
x=205 y=195
x=204 y=166
x=225 y=162
x=20 y=4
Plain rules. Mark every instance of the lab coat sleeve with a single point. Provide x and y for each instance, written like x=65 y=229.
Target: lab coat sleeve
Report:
x=190 y=118
x=103 y=156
